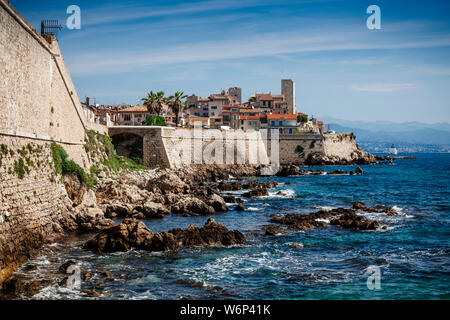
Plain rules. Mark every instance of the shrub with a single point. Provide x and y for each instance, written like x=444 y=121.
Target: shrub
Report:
x=65 y=166
x=4 y=148
x=302 y=118
x=299 y=148
x=155 y=121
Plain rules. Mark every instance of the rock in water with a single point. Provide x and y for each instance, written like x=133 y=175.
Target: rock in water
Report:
x=240 y=207
x=352 y=221
x=212 y=233
x=217 y=202
x=358 y=170
x=131 y=233
x=256 y=193
x=191 y=206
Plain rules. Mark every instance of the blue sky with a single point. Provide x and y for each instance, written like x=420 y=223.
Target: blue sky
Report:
x=341 y=68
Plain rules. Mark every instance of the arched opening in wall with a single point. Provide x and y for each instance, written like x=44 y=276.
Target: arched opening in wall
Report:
x=129 y=145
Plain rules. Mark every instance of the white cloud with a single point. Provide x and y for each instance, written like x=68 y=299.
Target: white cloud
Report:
x=262 y=45
x=382 y=87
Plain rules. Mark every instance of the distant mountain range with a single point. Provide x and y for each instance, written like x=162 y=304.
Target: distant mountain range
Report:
x=413 y=136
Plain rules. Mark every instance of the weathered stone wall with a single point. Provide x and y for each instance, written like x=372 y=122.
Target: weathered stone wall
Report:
x=31 y=200
x=294 y=149
x=340 y=145
x=173 y=148
x=38 y=105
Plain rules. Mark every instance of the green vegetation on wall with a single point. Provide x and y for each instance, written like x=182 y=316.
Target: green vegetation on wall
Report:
x=64 y=166
x=101 y=152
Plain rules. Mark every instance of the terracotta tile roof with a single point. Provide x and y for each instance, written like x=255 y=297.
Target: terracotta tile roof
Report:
x=138 y=108
x=264 y=96
x=203 y=100
x=280 y=102
x=282 y=116
x=301 y=114
x=249 y=117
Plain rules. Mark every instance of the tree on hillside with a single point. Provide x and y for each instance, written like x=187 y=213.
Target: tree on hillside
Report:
x=177 y=104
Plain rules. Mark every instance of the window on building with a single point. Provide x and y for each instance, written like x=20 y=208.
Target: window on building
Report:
x=280 y=122
x=127 y=117
x=290 y=130
x=272 y=123
x=214 y=107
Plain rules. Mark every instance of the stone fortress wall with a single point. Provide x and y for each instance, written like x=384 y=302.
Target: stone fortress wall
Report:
x=39 y=105
x=173 y=148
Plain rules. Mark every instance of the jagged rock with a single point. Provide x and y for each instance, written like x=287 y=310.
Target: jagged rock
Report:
x=256 y=193
x=131 y=233
x=133 y=196
x=240 y=207
x=233 y=186
x=232 y=199
x=167 y=183
x=296 y=245
x=212 y=233
x=89 y=200
x=337 y=172
x=347 y=218
x=191 y=206
x=350 y=220
x=153 y=210
x=75 y=188
x=217 y=202
x=63 y=268
x=91 y=293
x=93 y=219
x=272 y=230
x=281 y=193
x=117 y=210
x=289 y=170
x=358 y=170
x=377 y=209
x=257 y=185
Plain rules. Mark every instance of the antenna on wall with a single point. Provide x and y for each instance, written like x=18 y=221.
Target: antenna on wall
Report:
x=50 y=27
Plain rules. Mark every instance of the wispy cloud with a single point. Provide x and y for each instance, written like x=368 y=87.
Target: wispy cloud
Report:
x=263 y=45
x=382 y=87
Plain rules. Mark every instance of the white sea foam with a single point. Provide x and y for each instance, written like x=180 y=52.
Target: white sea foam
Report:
x=326 y=208
x=323 y=220
x=254 y=209
x=287 y=194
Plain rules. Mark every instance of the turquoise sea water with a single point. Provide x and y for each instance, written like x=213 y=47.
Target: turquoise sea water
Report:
x=413 y=254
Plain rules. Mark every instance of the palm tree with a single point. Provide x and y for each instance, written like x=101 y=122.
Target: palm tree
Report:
x=177 y=105
x=154 y=102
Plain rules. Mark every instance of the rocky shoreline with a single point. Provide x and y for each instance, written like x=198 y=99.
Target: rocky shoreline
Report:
x=194 y=191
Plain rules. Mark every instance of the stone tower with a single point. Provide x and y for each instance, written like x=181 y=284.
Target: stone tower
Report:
x=288 y=89
x=236 y=94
